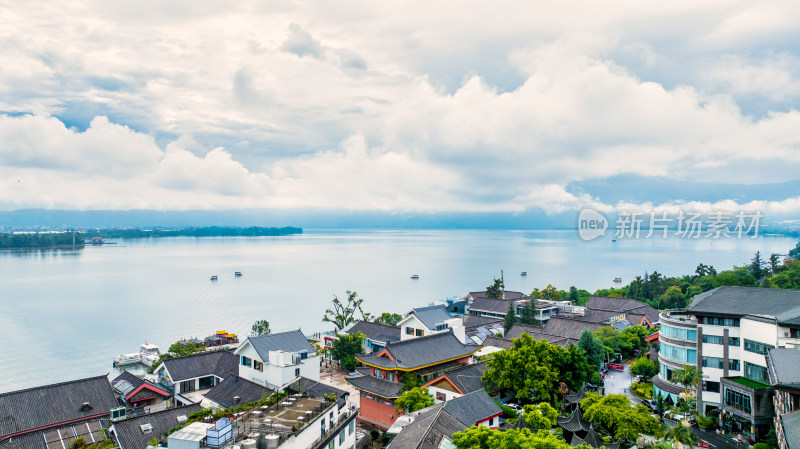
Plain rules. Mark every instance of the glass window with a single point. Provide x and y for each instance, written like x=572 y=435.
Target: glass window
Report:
x=712 y=362
x=419 y=332
x=717 y=321
x=441 y=327
x=738 y=400
x=296 y=372
x=441 y=396
x=341 y=437
x=351 y=427
x=712 y=339
x=733 y=364
x=733 y=341
x=247 y=361
x=678 y=354
x=755 y=372
x=332 y=444
x=678 y=332
x=390 y=377
x=711 y=386
x=258 y=366
x=756 y=346
x=409 y=331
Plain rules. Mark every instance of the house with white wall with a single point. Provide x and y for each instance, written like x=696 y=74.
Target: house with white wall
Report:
x=274 y=360
x=193 y=375
x=423 y=321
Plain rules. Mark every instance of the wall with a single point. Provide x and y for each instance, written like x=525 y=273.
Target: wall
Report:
x=311 y=434
x=274 y=376
x=377 y=412
x=414 y=323
x=449 y=394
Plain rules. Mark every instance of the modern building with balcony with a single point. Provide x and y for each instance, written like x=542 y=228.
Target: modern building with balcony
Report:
x=677 y=348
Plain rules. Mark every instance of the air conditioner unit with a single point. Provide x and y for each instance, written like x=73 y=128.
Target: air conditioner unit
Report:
x=146 y=428
x=182 y=419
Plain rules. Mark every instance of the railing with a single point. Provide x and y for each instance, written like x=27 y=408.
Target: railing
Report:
x=335 y=427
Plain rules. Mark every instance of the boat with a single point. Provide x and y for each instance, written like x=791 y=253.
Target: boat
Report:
x=414 y=276
x=150 y=354
x=214 y=278
x=617 y=280
x=237 y=274
x=524 y=273
x=133 y=358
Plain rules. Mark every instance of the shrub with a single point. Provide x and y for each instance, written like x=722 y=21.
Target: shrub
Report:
x=761 y=446
x=705 y=422
x=642 y=390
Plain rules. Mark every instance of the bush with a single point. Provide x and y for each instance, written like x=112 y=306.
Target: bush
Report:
x=642 y=390
x=509 y=414
x=761 y=446
x=707 y=423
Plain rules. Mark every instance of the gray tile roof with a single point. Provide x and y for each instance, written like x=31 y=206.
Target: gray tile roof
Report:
x=782 y=304
x=622 y=305
x=539 y=333
x=574 y=422
x=422 y=351
x=791 y=429
x=468 y=378
x=378 y=387
x=473 y=321
x=218 y=363
x=315 y=388
x=783 y=364
x=497 y=342
x=37 y=440
x=132 y=379
x=428 y=430
x=129 y=433
x=375 y=331
x=233 y=386
x=593 y=440
x=431 y=315
x=498 y=306
x=518 y=329
x=49 y=405
x=568 y=327
x=508 y=294
x=291 y=341
x=472 y=407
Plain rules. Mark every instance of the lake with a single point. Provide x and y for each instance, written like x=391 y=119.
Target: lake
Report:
x=65 y=314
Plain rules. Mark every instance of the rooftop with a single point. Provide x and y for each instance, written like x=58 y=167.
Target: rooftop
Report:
x=467 y=378
x=420 y=352
x=472 y=407
x=291 y=341
x=378 y=387
x=128 y=432
x=428 y=430
x=783 y=366
x=431 y=315
x=234 y=386
x=376 y=331
x=755 y=385
x=218 y=363
x=782 y=304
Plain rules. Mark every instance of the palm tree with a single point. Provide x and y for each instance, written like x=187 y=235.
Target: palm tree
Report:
x=689 y=376
x=682 y=433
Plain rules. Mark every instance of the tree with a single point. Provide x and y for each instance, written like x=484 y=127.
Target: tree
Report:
x=341 y=315
x=551 y=293
x=540 y=416
x=482 y=437
x=689 y=377
x=619 y=416
x=260 y=327
x=794 y=253
x=595 y=354
x=644 y=367
x=511 y=316
x=756 y=267
x=528 y=313
x=527 y=368
x=672 y=299
x=413 y=400
x=389 y=319
x=573 y=368
x=495 y=290
x=345 y=348
x=774 y=264
x=682 y=433
x=410 y=381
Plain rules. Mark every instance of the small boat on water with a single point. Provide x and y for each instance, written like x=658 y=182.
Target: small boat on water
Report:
x=237 y=274
x=414 y=276
x=524 y=273
x=214 y=278
x=148 y=354
x=617 y=280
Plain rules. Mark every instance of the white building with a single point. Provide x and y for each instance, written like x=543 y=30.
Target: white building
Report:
x=276 y=359
x=429 y=320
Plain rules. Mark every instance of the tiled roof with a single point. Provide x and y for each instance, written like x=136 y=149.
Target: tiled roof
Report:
x=37 y=440
x=576 y=396
x=518 y=329
x=782 y=304
x=132 y=379
x=593 y=440
x=791 y=429
x=315 y=388
x=468 y=378
x=218 y=363
x=431 y=315
x=497 y=342
x=376 y=331
x=472 y=407
x=378 y=387
x=48 y=405
x=419 y=352
x=508 y=294
x=498 y=306
x=574 y=422
x=129 y=433
x=291 y=341
x=783 y=366
x=428 y=430
x=622 y=305
x=233 y=386
x=568 y=327
x=473 y=321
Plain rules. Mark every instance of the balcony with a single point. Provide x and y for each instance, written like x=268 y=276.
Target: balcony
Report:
x=677 y=318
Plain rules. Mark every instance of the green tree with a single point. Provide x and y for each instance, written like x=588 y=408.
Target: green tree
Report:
x=540 y=416
x=343 y=314
x=495 y=290
x=619 y=416
x=511 y=316
x=413 y=400
x=774 y=264
x=551 y=293
x=526 y=368
x=595 y=354
x=682 y=433
x=689 y=377
x=644 y=367
x=756 y=267
x=794 y=253
x=528 y=313
x=410 y=381
x=389 y=319
x=573 y=367
x=345 y=348
x=260 y=327
x=673 y=298
x=482 y=437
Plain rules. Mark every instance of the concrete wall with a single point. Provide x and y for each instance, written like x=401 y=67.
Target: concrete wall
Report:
x=275 y=376
x=377 y=412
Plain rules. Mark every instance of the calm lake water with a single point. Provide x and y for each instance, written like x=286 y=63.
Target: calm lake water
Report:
x=66 y=314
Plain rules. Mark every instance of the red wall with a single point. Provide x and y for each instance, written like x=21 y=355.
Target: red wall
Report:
x=377 y=412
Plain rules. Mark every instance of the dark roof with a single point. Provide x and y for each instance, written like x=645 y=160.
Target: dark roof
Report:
x=498 y=342
x=783 y=366
x=422 y=351
x=428 y=430
x=782 y=304
x=431 y=315
x=622 y=305
x=522 y=424
x=375 y=331
x=574 y=422
x=232 y=386
x=498 y=306
x=38 y=440
x=508 y=294
x=594 y=440
x=132 y=379
x=473 y=321
x=315 y=388
x=472 y=407
x=291 y=341
x=129 y=433
x=379 y=387
x=568 y=327
x=576 y=396
x=468 y=378
x=49 y=405
x=517 y=330
x=791 y=429
x=218 y=363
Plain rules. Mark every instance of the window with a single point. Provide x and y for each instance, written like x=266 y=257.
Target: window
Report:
x=738 y=400
x=341 y=437
x=390 y=377
x=441 y=327
x=441 y=396
x=794 y=333
x=332 y=444
x=409 y=331
x=379 y=374
x=678 y=354
x=297 y=372
x=756 y=346
x=678 y=332
x=351 y=427
x=712 y=339
x=717 y=321
x=419 y=332
x=188 y=385
x=712 y=362
x=733 y=341
x=258 y=366
x=755 y=372
x=491 y=422
x=247 y=361
x=711 y=386
x=733 y=364
x=303 y=355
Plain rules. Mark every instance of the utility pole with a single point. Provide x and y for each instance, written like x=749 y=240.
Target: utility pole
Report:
x=502 y=284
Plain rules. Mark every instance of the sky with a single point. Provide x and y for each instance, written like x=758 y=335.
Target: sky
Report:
x=398 y=106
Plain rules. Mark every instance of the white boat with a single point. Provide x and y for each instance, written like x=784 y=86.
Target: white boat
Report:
x=133 y=358
x=148 y=355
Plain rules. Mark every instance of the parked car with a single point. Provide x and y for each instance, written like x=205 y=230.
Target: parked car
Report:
x=651 y=404
x=516 y=407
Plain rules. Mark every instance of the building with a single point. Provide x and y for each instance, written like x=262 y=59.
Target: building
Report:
x=727 y=332
x=234 y=391
x=458 y=382
x=609 y=309
x=378 y=335
x=783 y=365
x=192 y=375
x=478 y=328
x=138 y=395
x=429 y=320
x=426 y=358
x=274 y=360
x=135 y=433
x=53 y=416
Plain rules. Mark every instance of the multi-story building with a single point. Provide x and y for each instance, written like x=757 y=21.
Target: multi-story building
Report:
x=784 y=375
x=274 y=360
x=727 y=332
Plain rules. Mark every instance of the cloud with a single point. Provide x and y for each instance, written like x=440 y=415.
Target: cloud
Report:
x=301 y=43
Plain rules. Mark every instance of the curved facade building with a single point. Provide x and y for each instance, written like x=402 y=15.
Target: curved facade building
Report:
x=677 y=348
